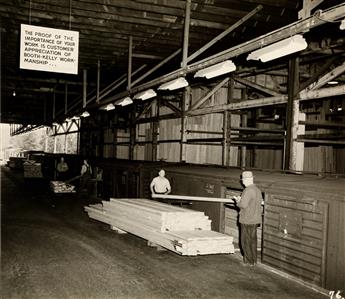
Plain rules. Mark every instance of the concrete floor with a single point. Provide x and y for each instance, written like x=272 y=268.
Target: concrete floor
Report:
x=58 y=252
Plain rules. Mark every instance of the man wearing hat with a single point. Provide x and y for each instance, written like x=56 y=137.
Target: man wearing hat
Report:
x=250 y=217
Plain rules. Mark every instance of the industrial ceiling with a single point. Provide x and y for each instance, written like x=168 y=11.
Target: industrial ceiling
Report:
x=156 y=28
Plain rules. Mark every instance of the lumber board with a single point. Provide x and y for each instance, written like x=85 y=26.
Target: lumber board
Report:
x=195 y=198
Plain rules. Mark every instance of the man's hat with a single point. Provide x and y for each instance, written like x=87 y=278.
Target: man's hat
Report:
x=247 y=175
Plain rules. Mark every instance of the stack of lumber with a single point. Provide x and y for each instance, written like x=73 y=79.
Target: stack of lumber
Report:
x=61 y=187
x=180 y=230
x=32 y=169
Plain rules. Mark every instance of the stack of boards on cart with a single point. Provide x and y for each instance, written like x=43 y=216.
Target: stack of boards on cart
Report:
x=61 y=187
x=180 y=230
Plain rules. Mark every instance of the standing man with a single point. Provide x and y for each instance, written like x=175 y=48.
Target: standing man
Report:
x=250 y=217
x=61 y=170
x=160 y=184
x=85 y=175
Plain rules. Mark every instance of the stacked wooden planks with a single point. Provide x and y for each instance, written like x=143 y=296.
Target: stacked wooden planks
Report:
x=61 y=187
x=183 y=231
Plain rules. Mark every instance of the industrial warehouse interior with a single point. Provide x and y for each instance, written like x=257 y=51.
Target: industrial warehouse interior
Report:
x=172 y=149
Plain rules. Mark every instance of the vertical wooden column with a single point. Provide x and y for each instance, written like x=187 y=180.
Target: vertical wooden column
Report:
x=293 y=153
x=186 y=99
x=98 y=83
x=186 y=34
x=84 y=87
x=244 y=119
x=129 y=72
x=155 y=130
x=244 y=123
x=132 y=132
x=115 y=135
x=227 y=129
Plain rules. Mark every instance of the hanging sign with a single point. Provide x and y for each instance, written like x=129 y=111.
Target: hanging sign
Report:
x=49 y=49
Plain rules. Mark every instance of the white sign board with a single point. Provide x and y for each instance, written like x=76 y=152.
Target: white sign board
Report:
x=48 y=49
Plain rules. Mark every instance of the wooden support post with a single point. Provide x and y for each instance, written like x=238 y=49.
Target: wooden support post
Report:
x=98 y=83
x=155 y=130
x=66 y=97
x=186 y=100
x=84 y=87
x=230 y=95
x=244 y=119
x=292 y=114
x=115 y=136
x=308 y=6
x=186 y=34
x=129 y=73
x=132 y=132
x=224 y=142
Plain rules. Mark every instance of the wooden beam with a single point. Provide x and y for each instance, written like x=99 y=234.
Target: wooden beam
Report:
x=321 y=124
x=256 y=86
x=270 y=101
x=320 y=141
x=272 y=37
x=209 y=94
x=171 y=106
x=224 y=33
x=167 y=59
x=327 y=77
x=146 y=56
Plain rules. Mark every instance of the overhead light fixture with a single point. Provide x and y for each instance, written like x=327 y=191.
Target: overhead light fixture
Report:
x=124 y=102
x=14 y=93
x=108 y=107
x=218 y=69
x=342 y=25
x=85 y=114
x=147 y=94
x=282 y=48
x=174 y=84
x=332 y=82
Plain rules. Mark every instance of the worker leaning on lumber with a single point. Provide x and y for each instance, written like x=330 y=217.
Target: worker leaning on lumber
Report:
x=250 y=217
x=160 y=184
